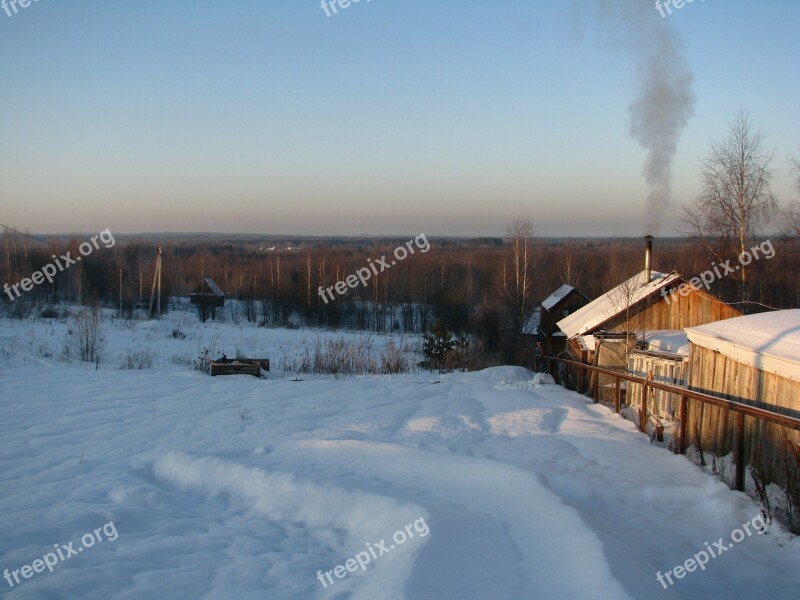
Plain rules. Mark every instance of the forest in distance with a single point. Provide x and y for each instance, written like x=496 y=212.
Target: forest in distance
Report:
x=464 y=282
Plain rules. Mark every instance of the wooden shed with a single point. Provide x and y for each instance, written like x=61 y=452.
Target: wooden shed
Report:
x=558 y=305
x=208 y=293
x=754 y=359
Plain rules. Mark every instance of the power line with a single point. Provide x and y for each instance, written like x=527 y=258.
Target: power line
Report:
x=24 y=234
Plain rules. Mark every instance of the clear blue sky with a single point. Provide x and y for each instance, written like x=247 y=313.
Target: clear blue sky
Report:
x=391 y=117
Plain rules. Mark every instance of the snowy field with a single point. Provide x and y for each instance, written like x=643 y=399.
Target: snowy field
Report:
x=167 y=483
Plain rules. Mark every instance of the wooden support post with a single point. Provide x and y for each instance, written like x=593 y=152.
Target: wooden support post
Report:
x=684 y=415
x=617 y=393
x=738 y=455
x=584 y=375
x=643 y=414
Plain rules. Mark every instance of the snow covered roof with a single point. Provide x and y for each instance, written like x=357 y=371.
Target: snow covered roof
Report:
x=668 y=340
x=613 y=302
x=211 y=285
x=556 y=297
x=589 y=342
x=766 y=341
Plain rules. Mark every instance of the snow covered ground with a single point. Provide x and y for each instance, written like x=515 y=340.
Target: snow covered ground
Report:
x=483 y=485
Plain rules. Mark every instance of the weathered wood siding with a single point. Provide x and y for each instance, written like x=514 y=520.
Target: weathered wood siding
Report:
x=610 y=355
x=710 y=428
x=714 y=373
x=696 y=308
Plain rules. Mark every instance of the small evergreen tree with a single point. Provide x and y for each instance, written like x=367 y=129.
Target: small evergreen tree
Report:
x=438 y=343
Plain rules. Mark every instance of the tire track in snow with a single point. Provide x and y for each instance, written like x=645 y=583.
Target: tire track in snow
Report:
x=549 y=536
x=363 y=517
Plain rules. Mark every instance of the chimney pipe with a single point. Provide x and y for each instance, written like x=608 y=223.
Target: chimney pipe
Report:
x=648 y=258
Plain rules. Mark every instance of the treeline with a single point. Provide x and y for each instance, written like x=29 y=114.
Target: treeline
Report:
x=459 y=282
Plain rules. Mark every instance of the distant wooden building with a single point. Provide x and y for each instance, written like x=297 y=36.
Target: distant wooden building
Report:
x=207 y=293
x=558 y=305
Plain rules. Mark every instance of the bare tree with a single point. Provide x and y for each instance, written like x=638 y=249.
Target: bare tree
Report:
x=516 y=284
x=87 y=334
x=624 y=290
x=792 y=214
x=736 y=197
x=570 y=271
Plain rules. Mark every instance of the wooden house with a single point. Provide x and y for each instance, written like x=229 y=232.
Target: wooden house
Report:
x=609 y=328
x=649 y=301
x=558 y=305
x=208 y=293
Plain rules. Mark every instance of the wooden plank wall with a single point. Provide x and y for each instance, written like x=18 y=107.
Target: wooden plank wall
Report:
x=697 y=308
x=611 y=355
x=712 y=428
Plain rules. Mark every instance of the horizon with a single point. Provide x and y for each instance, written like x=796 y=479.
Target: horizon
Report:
x=534 y=237
x=589 y=118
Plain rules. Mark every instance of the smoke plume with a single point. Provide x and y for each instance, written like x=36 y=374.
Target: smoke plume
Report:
x=664 y=101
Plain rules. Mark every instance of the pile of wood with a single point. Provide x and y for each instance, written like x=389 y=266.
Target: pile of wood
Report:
x=240 y=366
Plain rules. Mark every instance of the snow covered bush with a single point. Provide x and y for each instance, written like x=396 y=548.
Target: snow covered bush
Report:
x=85 y=335
x=393 y=359
x=203 y=362
x=140 y=358
x=343 y=358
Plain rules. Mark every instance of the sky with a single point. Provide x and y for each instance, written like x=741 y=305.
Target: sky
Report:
x=389 y=117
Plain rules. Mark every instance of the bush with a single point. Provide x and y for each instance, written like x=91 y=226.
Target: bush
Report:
x=343 y=358
x=393 y=359
x=52 y=312
x=469 y=354
x=203 y=362
x=21 y=308
x=182 y=358
x=86 y=335
x=141 y=358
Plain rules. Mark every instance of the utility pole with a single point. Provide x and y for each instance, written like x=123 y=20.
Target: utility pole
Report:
x=156 y=281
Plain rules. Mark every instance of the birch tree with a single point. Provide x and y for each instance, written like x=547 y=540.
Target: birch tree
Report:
x=735 y=199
